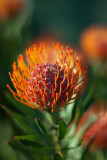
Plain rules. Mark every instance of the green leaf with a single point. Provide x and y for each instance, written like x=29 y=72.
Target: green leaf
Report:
x=7 y=152
x=57 y=157
x=26 y=110
x=62 y=129
x=40 y=125
x=45 y=137
x=33 y=140
x=67 y=112
x=85 y=102
x=19 y=119
x=33 y=137
x=28 y=149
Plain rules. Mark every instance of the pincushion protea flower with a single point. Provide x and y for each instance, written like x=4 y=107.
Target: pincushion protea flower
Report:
x=94 y=42
x=54 y=76
x=97 y=132
x=9 y=8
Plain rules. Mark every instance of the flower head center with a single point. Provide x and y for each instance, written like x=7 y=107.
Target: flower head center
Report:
x=48 y=81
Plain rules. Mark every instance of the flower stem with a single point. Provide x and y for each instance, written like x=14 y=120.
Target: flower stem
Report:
x=56 y=143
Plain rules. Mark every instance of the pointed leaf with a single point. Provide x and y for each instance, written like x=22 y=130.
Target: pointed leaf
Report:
x=19 y=119
x=73 y=114
x=31 y=149
x=67 y=112
x=40 y=125
x=85 y=102
x=26 y=110
x=62 y=129
x=33 y=137
x=33 y=140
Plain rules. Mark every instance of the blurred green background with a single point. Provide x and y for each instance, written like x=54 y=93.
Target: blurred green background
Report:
x=63 y=20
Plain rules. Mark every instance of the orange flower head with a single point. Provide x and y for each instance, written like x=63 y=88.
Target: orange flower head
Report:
x=94 y=42
x=97 y=132
x=54 y=75
x=8 y=8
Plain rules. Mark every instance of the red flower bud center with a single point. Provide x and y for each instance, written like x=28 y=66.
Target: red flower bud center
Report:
x=48 y=81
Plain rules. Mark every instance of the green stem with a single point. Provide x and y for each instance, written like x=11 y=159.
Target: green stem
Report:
x=50 y=117
x=56 y=143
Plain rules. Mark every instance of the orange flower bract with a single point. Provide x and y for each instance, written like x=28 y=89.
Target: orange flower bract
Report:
x=94 y=42
x=54 y=76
